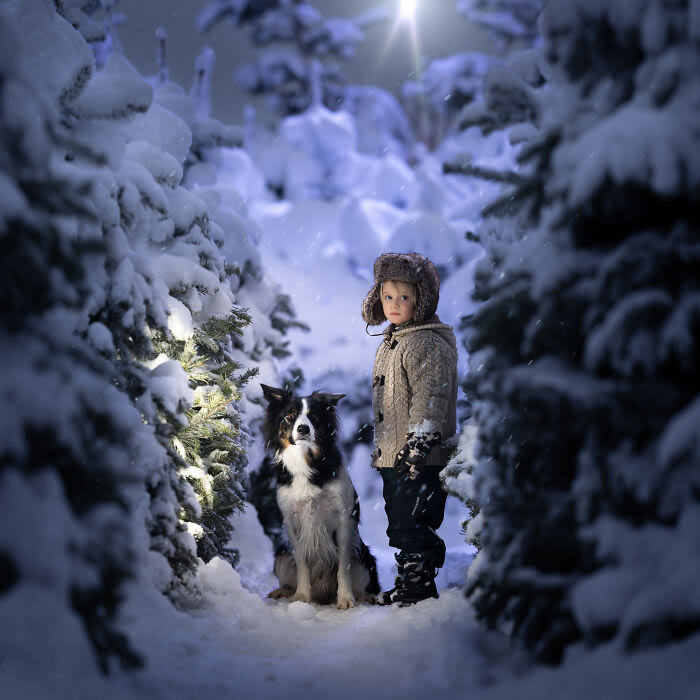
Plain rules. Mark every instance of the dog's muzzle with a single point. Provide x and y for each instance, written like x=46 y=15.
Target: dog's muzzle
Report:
x=302 y=432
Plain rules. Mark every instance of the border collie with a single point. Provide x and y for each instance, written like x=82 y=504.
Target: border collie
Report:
x=328 y=560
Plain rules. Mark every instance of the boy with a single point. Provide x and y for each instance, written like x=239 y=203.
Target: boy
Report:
x=414 y=396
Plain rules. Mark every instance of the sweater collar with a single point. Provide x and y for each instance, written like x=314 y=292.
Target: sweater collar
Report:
x=393 y=331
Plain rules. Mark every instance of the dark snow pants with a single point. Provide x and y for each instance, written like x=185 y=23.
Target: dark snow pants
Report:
x=415 y=509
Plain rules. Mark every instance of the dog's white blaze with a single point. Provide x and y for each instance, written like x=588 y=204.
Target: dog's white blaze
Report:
x=295 y=460
x=301 y=489
x=303 y=419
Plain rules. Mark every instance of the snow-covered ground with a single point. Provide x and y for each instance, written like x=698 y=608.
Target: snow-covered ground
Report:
x=238 y=643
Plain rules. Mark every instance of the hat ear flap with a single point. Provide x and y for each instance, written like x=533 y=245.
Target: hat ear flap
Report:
x=427 y=291
x=372 y=311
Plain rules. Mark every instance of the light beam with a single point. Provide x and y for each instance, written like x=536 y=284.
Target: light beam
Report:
x=405 y=19
x=407 y=10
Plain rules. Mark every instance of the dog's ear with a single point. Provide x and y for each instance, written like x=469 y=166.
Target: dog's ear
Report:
x=274 y=395
x=331 y=399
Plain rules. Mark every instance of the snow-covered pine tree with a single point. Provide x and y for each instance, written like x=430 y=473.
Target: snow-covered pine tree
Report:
x=224 y=176
x=509 y=100
x=172 y=250
x=493 y=217
x=213 y=442
x=382 y=124
x=292 y=37
x=97 y=21
x=72 y=444
x=458 y=479
x=511 y=23
x=436 y=97
x=584 y=349
x=105 y=116
x=446 y=86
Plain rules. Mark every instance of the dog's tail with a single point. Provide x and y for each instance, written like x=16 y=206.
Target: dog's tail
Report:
x=370 y=563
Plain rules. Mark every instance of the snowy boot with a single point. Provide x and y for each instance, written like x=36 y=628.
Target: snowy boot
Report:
x=418 y=580
x=415 y=581
x=394 y=595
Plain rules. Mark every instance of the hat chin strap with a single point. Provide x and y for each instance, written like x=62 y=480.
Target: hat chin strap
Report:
x=372 y=334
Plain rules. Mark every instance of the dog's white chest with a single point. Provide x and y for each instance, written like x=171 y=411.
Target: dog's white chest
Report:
x=309 y=509
x=300 y=498
x=312 y=516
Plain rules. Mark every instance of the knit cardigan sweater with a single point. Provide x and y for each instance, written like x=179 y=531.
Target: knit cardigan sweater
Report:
x=414 y=389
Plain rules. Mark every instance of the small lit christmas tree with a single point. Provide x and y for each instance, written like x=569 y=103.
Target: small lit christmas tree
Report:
x=213 y=443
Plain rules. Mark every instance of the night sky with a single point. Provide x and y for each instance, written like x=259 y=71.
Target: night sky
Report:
x=440 y=31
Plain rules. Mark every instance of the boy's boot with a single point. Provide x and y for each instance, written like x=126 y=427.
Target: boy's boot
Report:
x=394 y=595
x=418 y=581
x=415 y=581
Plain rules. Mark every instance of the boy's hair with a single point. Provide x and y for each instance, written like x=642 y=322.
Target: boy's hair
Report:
x=408 y=286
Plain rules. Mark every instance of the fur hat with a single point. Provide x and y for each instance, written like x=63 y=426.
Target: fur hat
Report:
x=403 y=267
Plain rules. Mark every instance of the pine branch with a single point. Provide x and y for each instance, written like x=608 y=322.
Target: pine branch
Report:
x=465 y=168
x=512 y=201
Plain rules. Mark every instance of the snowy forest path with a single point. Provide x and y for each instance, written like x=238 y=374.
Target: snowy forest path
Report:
x=240 y=641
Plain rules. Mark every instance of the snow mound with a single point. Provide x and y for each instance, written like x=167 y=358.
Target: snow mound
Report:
x=301 y=611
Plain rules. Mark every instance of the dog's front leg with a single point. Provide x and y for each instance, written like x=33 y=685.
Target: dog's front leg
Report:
x=303 y=592
x=346 y=599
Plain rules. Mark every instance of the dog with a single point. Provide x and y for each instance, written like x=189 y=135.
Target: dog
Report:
x=328 y=561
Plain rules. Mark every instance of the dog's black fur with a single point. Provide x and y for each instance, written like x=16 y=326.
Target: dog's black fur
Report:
x=319 y=505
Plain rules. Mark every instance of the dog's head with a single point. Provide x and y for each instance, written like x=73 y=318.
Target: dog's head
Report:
x=292 y=420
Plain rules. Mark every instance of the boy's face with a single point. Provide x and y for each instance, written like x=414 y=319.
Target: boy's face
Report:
x=397 y=302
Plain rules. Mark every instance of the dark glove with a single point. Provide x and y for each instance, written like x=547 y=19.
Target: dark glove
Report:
x=410 y=460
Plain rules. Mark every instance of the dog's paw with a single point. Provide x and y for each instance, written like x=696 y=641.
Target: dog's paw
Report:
x=369 y=599
x=280 y=593
x=346 y=602
x=303 y=596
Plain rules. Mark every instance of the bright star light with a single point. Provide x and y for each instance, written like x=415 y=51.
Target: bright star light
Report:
x=405 y=22
x=407 y=10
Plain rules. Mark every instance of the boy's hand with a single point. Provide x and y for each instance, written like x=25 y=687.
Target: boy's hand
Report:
x=410 y=460
x=408 y=466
